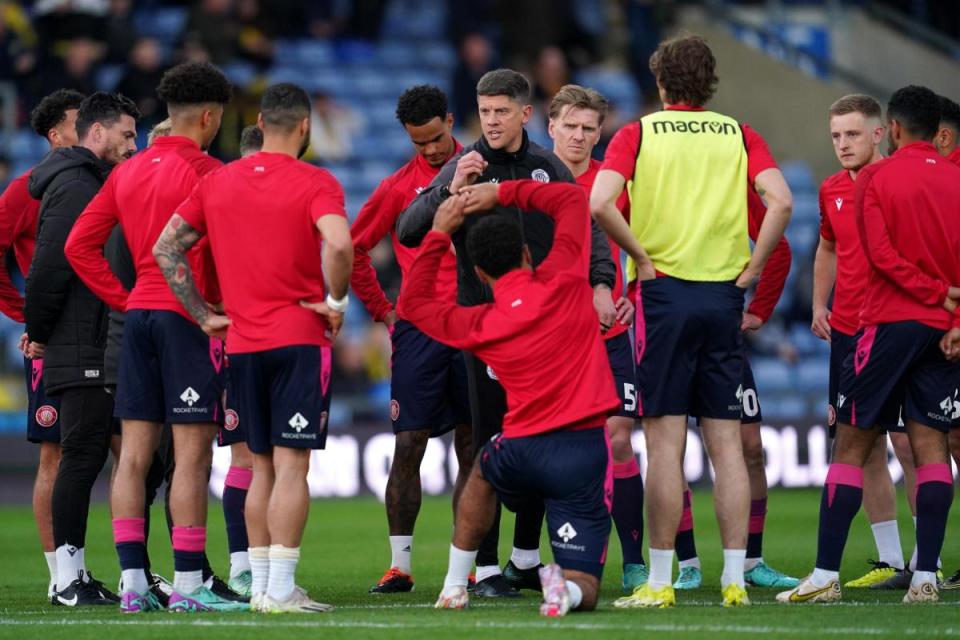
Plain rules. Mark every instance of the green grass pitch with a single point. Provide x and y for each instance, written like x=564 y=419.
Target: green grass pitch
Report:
x=345 y=550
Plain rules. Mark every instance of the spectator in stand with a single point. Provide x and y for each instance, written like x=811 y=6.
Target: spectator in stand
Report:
x=61 y=21
x=257 y=30
x=332 y=128
x=75 y=70
x=550 y=74
x=140 y=81
x=17 y=40
x=122 y=36
x=476 y=58
x=213 y=25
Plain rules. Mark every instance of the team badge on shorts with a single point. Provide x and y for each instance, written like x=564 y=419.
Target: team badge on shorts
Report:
x=231 y=420
x=46 y=416
x=540 y=175
x=394 y=410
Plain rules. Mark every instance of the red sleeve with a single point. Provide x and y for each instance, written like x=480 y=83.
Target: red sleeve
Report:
x=567 y=205
x=12 y=205
x=759 y=158
x=191 y=209
x=328 y=199
x=200 y=255
x=826 y=228
x=440 y=318
x=621 y=154
x=84 y=247
x=375 y=220
x=774 y=275
x=880 y=250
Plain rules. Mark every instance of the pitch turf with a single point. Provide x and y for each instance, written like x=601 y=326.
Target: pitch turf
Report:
x=345 y=551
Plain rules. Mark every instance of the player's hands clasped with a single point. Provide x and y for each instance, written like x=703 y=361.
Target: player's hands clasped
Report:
x=469 y=167
x=950 y=345
x=481 y=197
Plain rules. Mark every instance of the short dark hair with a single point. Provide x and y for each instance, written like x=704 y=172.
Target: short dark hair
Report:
x=251 y=139
x=192 y=83
x=105 y=108
x=505 y=82
x=686 y=69
x=284 y=105
x=495 y=244
x=856 y=103
x=52 y=110
x=917 y=109
x=949 y=113
x=421 y=104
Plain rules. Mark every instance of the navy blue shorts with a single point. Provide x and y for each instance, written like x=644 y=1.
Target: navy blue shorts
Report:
x=428 y=386
x=170 y=370
x=282 y=396
x=893 y=366
x=571 y=473
x=620 y=353
x=43 y=413
x=231 y=431
x=749 y=398
x=842 y=344
x=690 y=348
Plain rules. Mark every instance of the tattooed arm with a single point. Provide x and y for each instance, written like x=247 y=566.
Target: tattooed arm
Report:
x=170 y=252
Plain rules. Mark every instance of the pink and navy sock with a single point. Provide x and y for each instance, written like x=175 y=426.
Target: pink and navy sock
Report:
x=842 y=495
x=758 y=516
x=130 y=541
x=934 y=495
x=188 y=547
x=627 y=509
x=235 y=489
x=685 y=543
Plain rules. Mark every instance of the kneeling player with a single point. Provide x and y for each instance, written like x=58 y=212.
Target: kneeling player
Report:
x=279 y=333
x=540 y=338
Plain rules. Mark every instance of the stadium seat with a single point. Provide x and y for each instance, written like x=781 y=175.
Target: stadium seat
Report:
x=799 y=176
x=782 y=407
x=771 y=375
x=108 y=76
x=812 y=374
x=165 y=24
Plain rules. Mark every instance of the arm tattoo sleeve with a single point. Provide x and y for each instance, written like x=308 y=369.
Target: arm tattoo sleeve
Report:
x=170 y=252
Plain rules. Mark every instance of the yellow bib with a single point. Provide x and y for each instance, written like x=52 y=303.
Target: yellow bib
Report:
x=688 y=198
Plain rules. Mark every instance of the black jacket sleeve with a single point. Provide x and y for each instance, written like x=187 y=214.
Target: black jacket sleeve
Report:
x=414 y=223
x=602 y=269
x=50 y=274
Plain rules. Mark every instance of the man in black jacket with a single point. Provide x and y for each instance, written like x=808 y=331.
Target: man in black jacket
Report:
x=64 y=315
x=503 y=152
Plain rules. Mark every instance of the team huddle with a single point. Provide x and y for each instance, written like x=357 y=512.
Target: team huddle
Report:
x=172 y=301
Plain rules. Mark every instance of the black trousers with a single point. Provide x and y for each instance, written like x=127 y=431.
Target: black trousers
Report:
x=86 y=425
x=488 y=405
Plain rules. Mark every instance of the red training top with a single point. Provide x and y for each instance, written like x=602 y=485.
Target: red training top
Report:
x=539 y=336
x=260 y=214
x=377 y=218
x=586 y=180
x=141 y=195
x=838 y=223
x=906 y=208
x=954 y=156
x=18 y=230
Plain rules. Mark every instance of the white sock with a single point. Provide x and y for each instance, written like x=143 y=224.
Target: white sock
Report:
x=134 y=580
x=887 y=536
x=691 y=562
x=576 y=594
x=458 y=571
x=821 y=577
x=750 y=563
x=69 y=566
x=84 y=574
x=259 y=568
x=283 y=568
x=525 y=558
x=487 y=571
x=661 y=568
x=186 y=582
x=51 y=558
x=239 y=562
x=919 y=577
x=733 y=567
x=401 y=548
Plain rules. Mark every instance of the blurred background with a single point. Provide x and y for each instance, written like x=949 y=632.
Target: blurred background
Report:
x=781 y=64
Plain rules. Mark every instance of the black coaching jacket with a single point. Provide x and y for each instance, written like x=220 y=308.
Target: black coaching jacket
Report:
x=530 y=161
x=61 y=312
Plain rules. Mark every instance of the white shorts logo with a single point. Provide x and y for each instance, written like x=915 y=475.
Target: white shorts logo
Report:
x=189 y=396
x=540 y=175
x=567 y=532
x=298 y=422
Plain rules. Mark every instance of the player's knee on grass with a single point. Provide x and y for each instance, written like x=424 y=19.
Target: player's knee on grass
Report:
x=620 y=430
x=589 y=587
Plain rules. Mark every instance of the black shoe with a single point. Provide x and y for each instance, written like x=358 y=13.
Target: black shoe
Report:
x=495 y=587
x=104 y=592
x=220 y=588
x=951 y=583
x=393 y=581
x=82 y=594
x=161 y=589
x=900 y=581
x=522 y=578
